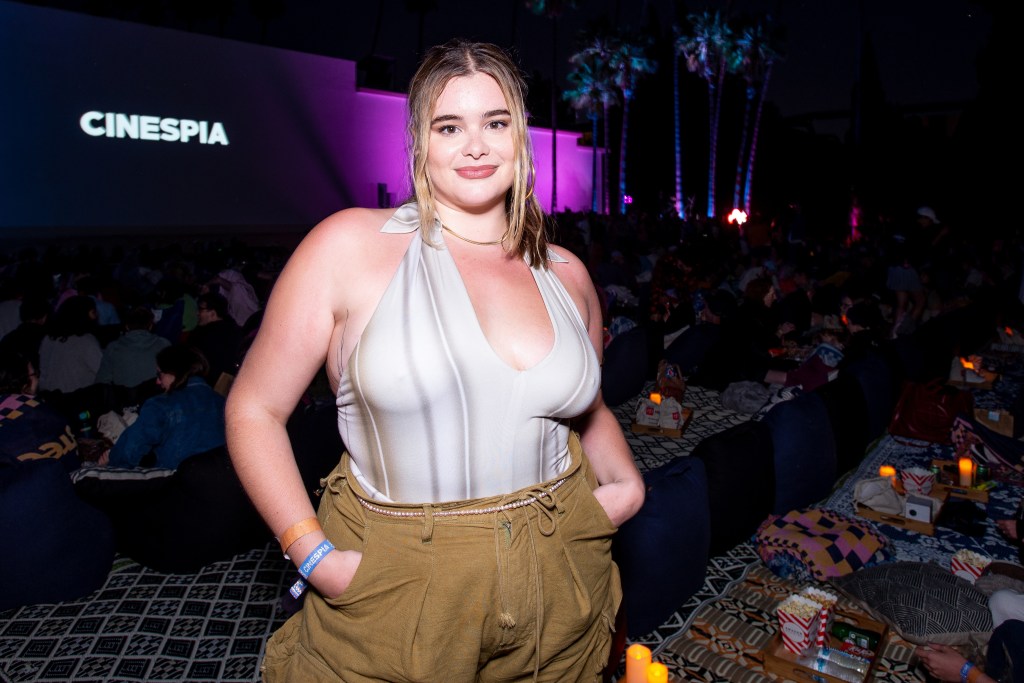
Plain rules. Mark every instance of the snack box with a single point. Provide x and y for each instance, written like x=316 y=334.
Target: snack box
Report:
x=784 y=664
x=661 y=431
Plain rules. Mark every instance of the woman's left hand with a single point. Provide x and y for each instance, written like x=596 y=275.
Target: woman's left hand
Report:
x=941 y=661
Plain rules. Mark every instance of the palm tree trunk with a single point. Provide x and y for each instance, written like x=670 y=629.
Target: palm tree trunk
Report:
x=593 y=165
x=741 y=156
x=606 y=202
x=554 y=114
x=717 y=94
x=753 y=140
x=626 y=96
x=679 y=144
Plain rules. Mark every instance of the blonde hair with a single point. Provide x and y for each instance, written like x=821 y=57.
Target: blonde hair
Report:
x=526 y=228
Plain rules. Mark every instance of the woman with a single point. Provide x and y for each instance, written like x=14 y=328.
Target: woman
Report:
x=29 y=428
x=70 y=354
x=467 y=543
x=185 y=420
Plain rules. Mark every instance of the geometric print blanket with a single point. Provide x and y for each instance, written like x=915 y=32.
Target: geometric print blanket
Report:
x=725 y=637
x=146 y=626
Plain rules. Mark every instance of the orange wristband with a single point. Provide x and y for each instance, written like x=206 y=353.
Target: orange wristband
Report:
x=297 y=531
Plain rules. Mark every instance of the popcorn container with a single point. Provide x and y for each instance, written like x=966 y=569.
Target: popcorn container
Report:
x=827 y=602
x=799 y=619
x=648 y=413
x=968 y=565
x=918 y=480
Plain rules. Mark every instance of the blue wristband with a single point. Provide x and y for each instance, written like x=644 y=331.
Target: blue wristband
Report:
x=313 y=559
x=297 y=588
x=965 y=671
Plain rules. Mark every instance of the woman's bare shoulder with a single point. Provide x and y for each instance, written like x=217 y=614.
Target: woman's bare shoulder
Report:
x=571 y=267
x=349 y=236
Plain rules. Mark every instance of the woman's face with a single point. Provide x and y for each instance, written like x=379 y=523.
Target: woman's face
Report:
x=471 y=153
x=165 y=380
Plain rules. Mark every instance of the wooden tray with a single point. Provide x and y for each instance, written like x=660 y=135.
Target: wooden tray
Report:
x=989 y=380
x=783 y=663
x=658 y=431
x=964 y=492
x=999 y=421
x=927 y=528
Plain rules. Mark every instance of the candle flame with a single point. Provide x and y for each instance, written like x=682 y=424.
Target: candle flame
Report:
x=968 y=365
x=656 y=398
x=1009 y=331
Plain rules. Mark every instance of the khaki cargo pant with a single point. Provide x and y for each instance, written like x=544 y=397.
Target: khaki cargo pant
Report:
x=528 y=592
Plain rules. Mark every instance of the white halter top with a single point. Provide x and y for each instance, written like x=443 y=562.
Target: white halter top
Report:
x=426 y=408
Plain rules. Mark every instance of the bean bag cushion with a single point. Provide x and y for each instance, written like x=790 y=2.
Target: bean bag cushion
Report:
x=625 y=368
x=662 y=552
x=848 y=416
x=876 y=382
x=804 y=452
x=178 y=524
x=56 y=547
x=740 y=469
x=689 y=348
x=921 y=601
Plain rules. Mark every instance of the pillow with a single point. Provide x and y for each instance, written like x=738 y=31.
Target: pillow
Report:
x=922 y=602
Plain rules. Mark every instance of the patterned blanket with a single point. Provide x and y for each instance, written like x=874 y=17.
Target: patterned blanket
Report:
x=725 y=636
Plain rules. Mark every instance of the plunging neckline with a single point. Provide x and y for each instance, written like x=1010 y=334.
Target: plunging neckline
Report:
x=552 y=326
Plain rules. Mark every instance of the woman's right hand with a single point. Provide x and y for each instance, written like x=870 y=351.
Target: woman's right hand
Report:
x=334 y=573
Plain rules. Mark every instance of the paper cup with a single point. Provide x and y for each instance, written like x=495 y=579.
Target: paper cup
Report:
x=918 y=480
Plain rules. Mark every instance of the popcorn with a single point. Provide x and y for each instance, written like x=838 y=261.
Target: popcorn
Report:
x=798 y=620
x=968 y=564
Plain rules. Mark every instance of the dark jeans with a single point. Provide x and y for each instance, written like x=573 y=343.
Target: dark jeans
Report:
x=1006 y=652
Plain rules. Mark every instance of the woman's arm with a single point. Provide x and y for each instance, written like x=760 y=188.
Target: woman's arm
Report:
x=140 y=437
x=308 y=304
x=621 y=488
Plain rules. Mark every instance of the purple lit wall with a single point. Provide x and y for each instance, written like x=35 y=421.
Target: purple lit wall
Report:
x=286 y=138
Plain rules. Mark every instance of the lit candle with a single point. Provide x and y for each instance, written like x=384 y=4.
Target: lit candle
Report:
x=657 y=673
x=888 y=471
x=966 y=471
x=637 y=658
x=656 y=398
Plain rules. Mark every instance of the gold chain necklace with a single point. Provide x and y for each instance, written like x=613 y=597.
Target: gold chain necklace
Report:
x=466 y=239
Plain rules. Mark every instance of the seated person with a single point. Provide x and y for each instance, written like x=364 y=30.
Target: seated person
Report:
x=29 y=428
x=185 y=420
x=217 y=336
x=26 y=339
x=818 y=368
x=130 y=360
x=1005 y=657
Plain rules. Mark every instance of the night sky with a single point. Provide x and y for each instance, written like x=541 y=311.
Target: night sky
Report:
x=926 y=49
x=926 y=54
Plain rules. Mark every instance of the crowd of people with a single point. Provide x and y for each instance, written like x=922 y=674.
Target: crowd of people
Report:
x=511 y=417
x=143 y=335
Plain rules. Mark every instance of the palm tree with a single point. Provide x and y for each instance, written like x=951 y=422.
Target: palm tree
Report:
x=629 y=63
x=711 y=54
x=677 y=124
x=766 y=55
x=552 y=9
x=420 y=7
x=592 y=93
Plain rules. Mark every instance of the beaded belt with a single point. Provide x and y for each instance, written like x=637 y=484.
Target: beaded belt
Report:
x=462 y=513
